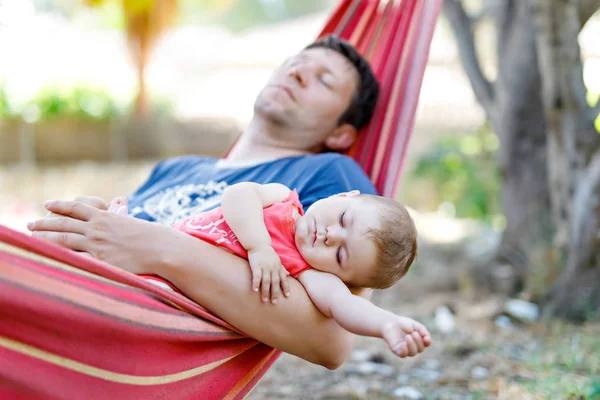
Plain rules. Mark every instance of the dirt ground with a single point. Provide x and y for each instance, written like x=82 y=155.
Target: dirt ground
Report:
x=489 y=354
x=478 y=360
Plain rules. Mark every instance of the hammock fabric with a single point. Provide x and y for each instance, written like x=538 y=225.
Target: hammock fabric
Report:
x=72 y=327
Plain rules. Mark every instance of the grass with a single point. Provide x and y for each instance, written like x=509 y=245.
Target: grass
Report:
x=567 y=366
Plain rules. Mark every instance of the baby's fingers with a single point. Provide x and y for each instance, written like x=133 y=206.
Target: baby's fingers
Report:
x=400 y=349
x=424 y=334
x=285 y=286
x=413 y=350
x=256 y=278
x=266 y=287
x=418 y=341
x=275 y=287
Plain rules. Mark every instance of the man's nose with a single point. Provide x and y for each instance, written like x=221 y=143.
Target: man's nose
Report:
x=299 y=75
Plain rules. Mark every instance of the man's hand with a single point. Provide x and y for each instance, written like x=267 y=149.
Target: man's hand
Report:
x=405 y=336
x=119 y=240
x=93 y=201
x=266 y=267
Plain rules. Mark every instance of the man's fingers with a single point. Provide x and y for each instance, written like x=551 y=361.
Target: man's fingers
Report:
x=58 y=223
x=71 y=241
x=275 y=287
x=285 y=286
x=72 y=209
x=94 y=201
x=256 y=278
x=266 y=287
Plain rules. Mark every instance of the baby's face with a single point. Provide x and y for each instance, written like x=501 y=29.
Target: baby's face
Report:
x=332 y=237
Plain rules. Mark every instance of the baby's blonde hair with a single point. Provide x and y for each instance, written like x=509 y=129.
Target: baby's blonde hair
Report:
x=396 y=242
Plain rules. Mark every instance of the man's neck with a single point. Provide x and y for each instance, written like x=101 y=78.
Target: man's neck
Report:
x=256 y=144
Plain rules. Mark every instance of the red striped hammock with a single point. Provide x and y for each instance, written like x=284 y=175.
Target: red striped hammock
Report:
x=76 y=328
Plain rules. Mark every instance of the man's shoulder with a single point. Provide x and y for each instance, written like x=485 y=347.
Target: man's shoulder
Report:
x=189 y=159
x=331 y=173
x=177 y=164
x=328 y=159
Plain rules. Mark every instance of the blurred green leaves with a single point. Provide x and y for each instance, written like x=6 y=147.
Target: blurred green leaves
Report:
x=83 y=102
x=462 y=170
x=593 y=99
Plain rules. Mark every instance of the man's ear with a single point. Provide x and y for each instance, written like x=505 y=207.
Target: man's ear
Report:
x=341 y=138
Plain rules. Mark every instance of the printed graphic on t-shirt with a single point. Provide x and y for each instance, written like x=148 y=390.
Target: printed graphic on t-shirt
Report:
x=211 y=223
x=179 y=202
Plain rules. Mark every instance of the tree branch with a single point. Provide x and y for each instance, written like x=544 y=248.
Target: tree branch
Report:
x=463 y=32
x=488 y=8
x=587 y=8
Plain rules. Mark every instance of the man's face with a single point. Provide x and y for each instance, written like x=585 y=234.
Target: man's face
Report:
x=308 y=94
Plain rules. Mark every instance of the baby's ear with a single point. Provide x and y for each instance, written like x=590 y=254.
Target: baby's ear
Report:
x=349 y=194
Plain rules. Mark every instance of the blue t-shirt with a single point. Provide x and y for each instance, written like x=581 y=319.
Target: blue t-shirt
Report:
x=184 y=186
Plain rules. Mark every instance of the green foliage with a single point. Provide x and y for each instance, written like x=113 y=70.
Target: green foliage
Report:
x=565 y=365
x=80 y=102
x=595 y=392
x=463 y=170
x=593 y=99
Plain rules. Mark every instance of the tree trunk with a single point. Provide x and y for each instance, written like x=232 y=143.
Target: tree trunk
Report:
x=518 y=119
x=513 y=105
x=575 y=154
x=549 y=152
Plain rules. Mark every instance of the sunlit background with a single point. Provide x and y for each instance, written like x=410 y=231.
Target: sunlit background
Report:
x=76 y=117
x=70 y=92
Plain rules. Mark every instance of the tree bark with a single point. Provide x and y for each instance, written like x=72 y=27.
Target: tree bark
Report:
x=574 y=152
x=515 y=109
x=549 y=148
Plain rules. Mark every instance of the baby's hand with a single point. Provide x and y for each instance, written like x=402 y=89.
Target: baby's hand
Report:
x=266 y=267
x=118 y=205
x=405 y=336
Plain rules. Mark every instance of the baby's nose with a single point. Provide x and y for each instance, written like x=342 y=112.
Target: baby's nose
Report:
x=334 y=235
x=321 y=235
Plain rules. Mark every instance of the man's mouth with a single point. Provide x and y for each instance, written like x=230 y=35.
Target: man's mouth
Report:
x=288 y=91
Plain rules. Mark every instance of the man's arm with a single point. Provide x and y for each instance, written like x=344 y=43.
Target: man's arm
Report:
x=360 y=316
x=213 y=278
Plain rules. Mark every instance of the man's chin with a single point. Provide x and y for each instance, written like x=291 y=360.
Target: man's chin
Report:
x=274 y=112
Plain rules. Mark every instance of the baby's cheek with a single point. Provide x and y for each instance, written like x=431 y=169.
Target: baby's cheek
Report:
x=304 y=252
